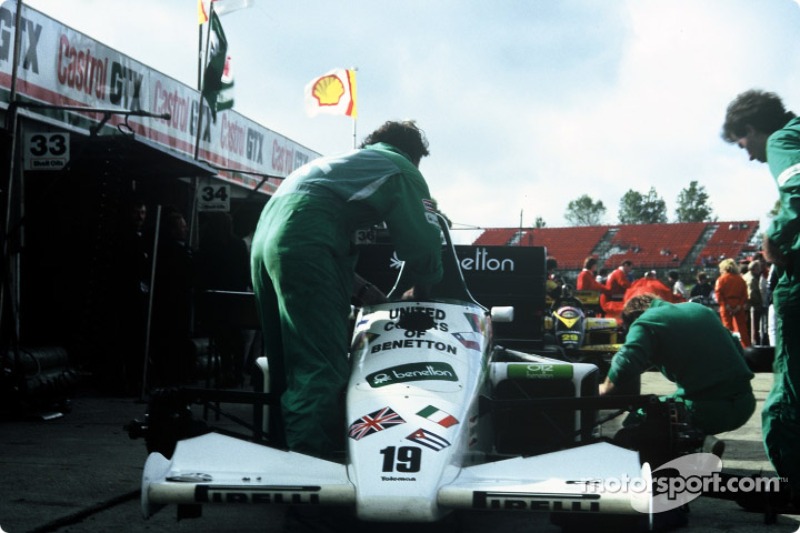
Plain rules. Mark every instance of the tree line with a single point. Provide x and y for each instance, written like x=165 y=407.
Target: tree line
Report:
x=638 y=208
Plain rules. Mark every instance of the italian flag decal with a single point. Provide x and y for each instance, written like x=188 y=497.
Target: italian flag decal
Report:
x=442 y=418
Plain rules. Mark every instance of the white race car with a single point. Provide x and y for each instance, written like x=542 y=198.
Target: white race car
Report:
x=438 y=419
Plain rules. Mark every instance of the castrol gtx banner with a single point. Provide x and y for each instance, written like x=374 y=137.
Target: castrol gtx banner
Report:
x=60 y=66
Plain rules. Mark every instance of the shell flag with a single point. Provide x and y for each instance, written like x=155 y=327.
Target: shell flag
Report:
x=202 y=12
x=221 y=7
x=333 y=93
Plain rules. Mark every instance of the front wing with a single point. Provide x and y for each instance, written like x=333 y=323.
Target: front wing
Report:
x=213 y=469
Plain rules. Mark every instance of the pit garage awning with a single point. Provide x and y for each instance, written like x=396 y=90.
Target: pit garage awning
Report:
x=132 y=155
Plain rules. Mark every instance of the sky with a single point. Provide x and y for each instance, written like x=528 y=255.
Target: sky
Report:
x=526 y=104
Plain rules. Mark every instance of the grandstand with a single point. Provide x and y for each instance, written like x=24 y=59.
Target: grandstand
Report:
x=680 y=246
x=726 y=242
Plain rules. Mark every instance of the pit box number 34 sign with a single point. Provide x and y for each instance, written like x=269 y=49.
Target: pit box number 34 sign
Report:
x=214 y=197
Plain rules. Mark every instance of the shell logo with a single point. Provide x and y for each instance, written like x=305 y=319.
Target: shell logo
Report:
x=328 y=90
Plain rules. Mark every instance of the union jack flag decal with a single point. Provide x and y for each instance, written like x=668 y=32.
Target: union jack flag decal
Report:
x=374 y=422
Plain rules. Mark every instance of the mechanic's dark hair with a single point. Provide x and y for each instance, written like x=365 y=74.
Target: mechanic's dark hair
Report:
x=673 y=274
x=762 y=110
x=627 y=262
x=589 y=262
x=636 y=306
x=404 y=135
x=701 y=277
x=551 y=263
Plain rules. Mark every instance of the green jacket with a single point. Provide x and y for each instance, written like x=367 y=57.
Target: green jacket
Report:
x=321 y=205
x=689 y=345
x=783 y=157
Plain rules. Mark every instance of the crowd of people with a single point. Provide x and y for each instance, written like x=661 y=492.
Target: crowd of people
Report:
x=741 y=292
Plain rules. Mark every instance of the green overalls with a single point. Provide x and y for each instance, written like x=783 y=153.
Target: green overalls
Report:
x=781 y=415
x=303 y=264
x=691 y=348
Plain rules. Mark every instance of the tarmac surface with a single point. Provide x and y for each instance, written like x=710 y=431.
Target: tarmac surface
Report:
x=80 y=473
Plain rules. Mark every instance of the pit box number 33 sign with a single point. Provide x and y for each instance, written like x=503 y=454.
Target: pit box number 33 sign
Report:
x=46 y=151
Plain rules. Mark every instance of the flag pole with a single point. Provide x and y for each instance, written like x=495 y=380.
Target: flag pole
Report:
x=154 y=265
x=12 y=128
x=200 y=110
x=200 y=57
x=354 y=95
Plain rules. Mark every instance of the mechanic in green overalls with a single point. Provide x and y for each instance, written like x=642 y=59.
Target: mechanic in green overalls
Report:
x=758 y=122
x=690 y=346
x=303 y=261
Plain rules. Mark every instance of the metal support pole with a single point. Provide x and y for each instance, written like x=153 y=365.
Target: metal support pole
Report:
x=148 y=329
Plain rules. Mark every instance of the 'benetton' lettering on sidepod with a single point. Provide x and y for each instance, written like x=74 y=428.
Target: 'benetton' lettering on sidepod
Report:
x=412 y=372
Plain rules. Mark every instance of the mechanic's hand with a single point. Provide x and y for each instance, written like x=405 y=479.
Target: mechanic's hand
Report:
x=417 y=292
x=605 y=387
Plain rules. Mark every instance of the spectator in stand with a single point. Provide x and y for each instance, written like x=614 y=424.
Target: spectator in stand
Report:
x=678 y=288
x=731 y=292
x=758 y=122
x=702 y=289
x=755 y=300
x=587 y=280
x=618 y=282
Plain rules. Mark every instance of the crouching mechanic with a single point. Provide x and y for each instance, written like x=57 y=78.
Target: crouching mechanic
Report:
x=690 y=346
x=303 y=262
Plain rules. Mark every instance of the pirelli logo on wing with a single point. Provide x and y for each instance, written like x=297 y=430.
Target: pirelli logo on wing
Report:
x=262 y=495
x=536 y=501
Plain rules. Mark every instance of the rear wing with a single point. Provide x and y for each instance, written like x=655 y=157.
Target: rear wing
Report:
x=495 y=276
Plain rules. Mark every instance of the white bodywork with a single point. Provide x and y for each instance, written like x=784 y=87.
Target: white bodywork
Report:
x=417 y=447
x=419 y=442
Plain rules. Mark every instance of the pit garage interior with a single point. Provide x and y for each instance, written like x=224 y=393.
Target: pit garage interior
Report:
x=87 y=130
x=65 y=232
